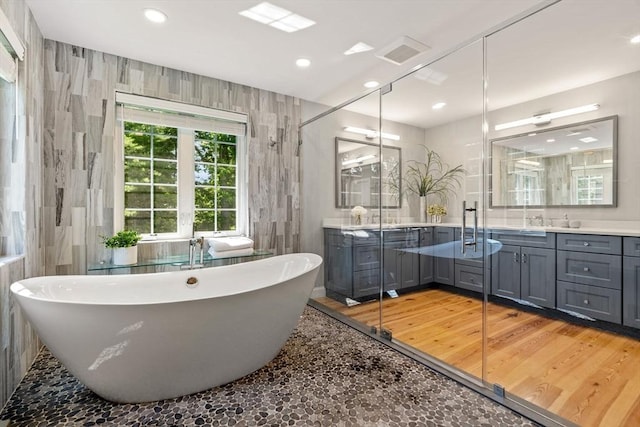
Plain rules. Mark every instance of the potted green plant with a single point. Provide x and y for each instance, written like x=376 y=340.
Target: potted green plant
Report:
x=124 y=245
x=431 y=177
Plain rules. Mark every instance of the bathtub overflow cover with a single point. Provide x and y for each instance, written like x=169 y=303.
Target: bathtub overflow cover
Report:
x=192 y=281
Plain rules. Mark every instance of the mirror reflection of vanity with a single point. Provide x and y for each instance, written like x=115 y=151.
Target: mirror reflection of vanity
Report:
x=572 y=165
x=365 y=179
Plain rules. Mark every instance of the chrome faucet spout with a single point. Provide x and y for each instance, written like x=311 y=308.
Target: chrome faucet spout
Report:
x=192 y=254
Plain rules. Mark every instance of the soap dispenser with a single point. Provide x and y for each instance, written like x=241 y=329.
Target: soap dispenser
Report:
x=564 y=223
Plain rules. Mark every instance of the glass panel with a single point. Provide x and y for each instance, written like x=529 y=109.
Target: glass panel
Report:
x=137 y=144
x=165 y=147
x=562 y=312
x=137 y=220
x=165 y=172
x=165 y=221
x=136 y=170
x=433 y=298
x=165 y=197
x=226 y=198
x=226 y=220
x=205 y=150
x=205 y=198
x=227 y=153
x=205 y=221
x=205 y=174
x=227 y=176
x=347 y=237
x=137 y=196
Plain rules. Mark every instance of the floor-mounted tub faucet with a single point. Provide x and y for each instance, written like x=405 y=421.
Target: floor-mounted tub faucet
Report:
x=192 y=254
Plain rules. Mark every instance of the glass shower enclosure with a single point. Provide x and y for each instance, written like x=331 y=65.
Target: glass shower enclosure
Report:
x=521 y=278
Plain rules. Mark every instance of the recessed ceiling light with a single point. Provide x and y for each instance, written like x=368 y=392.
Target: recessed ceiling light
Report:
x=303 y=62
x=371 y=84
x=430 y=75
x=155 y=15
x=635 y=39
x=438 y=105
x=551 y=140
x=277 y=17
x=358 y=48
x=574 y=148
x=588 y=139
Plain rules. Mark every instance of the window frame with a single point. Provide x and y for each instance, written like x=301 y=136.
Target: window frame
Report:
x=139 y=109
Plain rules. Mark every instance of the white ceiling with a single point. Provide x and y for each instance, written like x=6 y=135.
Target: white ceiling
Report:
x=572 y=43
x=209 y=37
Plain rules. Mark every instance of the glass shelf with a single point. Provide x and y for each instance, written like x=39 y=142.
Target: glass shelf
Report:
x=180 y=260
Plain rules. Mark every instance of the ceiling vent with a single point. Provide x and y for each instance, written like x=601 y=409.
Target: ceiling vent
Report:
x=401 y=50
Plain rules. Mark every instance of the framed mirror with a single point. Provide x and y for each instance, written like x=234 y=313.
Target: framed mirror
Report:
x=570 y=166
x=365 y=179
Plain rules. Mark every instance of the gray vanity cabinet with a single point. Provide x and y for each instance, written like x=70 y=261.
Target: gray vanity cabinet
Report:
x=525 y=269
x=590 y=275
x=468 y=272
x=426 y=256
x=401 y=268
x=351 y=263
x=443 y=265
x=631 y=282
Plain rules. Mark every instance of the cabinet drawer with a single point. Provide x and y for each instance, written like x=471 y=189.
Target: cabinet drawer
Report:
x=593 y=243
x=366 y=282
x=469 y=277
x=366 y=257
x=631 y=246
x=593 y=301
x=336 y=238
x=409 y=236
x=534 y=239
x=590 y=269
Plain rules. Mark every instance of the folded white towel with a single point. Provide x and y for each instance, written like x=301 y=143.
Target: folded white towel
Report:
x=220 y=244
x=231 y=253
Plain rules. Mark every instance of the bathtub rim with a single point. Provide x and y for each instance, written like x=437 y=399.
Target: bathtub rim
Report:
x=20 y=290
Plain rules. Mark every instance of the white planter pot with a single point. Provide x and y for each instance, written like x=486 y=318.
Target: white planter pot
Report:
x=423 y=209
x=125 y=256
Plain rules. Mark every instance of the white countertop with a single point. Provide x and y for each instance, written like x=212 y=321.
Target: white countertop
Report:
x=611 y=231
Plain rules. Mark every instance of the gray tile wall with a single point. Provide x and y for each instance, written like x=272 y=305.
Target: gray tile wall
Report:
x=79 y=133
x=21 y=189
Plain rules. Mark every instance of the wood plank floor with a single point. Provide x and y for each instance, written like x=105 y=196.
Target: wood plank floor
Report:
x=588 y=376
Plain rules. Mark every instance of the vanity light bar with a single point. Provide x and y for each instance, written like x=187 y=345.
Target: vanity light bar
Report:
x=547 y=117
x=371 y=133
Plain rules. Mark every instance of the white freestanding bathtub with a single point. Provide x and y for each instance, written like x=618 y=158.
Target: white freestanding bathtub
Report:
x=145 y=337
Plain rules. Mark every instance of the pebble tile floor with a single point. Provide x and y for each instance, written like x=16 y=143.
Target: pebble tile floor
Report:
x=327 y=374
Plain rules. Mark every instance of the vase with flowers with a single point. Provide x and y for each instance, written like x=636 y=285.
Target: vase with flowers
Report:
x=437 y=212
x=358 y=213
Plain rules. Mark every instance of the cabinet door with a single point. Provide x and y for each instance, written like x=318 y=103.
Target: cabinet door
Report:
x=505 y=272
x=443 y=265
x=338 y=269
x=426 y=261
x=410 y=269
x=391 y=266
x=538 y=276
x=631 y=292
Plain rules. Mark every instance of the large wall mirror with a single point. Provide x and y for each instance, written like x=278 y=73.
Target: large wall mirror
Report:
x=365 y=179
x=571 y=165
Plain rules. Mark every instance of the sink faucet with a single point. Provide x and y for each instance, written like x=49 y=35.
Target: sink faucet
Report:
x=536 y=220
x=192 y=250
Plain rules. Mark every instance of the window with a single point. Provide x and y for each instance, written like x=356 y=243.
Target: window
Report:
x=182 y=172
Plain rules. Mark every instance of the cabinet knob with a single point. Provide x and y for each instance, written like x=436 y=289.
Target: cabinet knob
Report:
x=586 y=302
x=586 y=243
x=585 y=269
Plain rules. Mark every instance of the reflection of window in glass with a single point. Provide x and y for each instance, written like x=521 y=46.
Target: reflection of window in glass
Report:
x=589 y=189
x=181 y=174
